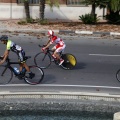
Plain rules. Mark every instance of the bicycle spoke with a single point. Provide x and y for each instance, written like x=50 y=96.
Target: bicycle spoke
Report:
x=42 y=60
x=5 y=75
x=36 y=77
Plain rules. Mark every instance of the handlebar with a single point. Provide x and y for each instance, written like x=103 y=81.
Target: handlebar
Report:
x=41 y=45
x=1 y=57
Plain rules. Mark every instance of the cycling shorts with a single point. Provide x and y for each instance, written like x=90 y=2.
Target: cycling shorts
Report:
x=21 y=56
x=59 y=49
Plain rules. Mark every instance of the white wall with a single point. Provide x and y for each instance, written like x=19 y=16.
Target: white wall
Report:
x=15 y=11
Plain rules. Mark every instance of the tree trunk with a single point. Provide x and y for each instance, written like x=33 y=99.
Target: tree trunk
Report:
x=93 y=11
x=26 y=6
x=42 y=9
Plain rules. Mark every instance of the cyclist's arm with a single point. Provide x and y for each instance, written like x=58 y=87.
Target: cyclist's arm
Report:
x=5 y=55
x=47 y=46
x=47 y=42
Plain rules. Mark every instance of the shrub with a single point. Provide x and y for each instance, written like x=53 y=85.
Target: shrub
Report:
x=42 y=22
x=88 y=19
x=22 y=22
x=113 y=18
x=30 y=20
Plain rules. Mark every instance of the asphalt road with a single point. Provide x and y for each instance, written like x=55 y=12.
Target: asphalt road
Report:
x=98 y=60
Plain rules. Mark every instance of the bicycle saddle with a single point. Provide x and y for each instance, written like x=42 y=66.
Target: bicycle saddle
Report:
x=27 y=57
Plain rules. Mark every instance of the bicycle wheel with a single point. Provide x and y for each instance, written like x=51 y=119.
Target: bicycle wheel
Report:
x=42 y=60
x=6 y=75
x=69 y=61
x=118 y=75
x=38 y=75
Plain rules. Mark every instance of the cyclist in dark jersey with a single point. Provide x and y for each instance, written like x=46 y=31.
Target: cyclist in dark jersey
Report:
x=11 y=46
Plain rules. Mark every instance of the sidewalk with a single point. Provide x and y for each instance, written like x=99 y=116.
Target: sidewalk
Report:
x=62 y=26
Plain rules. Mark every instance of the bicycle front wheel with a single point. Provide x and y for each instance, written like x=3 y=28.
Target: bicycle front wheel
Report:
x=118 y=75
x=69 y=61
x=42 y=60
x=37 y=77
x=6 y=75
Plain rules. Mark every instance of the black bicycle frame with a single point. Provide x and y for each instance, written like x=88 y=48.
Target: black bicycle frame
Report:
x=8 y=65
x=50 y=53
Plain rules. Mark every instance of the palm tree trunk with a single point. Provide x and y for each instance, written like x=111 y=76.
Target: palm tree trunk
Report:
x=93 y=11
x=42 y=9
x=26 y=6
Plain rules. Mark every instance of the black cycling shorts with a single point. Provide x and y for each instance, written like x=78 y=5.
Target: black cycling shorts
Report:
x=21 y=56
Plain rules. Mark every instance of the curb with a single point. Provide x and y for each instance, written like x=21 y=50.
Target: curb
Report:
x=52 y=101
x=61 y=31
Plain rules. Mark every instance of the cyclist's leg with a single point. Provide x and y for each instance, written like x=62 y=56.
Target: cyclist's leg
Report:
x=53 y=49
x=24 y=64
x=21 y=58
x=57 y=53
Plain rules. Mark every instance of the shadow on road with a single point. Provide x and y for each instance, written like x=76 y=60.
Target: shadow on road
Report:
x=80 y=65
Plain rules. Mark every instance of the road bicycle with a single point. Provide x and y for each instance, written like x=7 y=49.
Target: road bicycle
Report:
x=7 y=72
x=118 y=75
x=44 y=59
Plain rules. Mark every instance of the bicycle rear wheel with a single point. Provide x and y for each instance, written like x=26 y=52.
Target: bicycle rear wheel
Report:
x=69 y=61
x=38 y=75
x=6 y=75
x=42 y=60
x=118 y=75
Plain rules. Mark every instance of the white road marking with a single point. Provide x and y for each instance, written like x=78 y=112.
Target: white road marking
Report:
x=104 y=55
x=60 y=85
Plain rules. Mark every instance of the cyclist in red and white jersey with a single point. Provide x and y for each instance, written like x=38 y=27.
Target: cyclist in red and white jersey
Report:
x=60 y=45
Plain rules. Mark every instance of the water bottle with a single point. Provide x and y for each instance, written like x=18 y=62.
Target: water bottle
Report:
x=16 y=70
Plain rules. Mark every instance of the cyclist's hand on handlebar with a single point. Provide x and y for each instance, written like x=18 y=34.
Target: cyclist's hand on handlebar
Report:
x=1 y=57
x=43 y=49
x=44 y=45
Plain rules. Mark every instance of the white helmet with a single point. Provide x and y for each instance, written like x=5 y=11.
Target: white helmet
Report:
x=50 y=32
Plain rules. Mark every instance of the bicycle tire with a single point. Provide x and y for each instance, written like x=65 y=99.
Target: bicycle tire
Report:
x=39 y=75
x=42 y=60
x=118 y=75
x=6 y=75
x=69 y=61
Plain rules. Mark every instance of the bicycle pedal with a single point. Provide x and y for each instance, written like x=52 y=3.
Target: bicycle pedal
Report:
x=31 y=75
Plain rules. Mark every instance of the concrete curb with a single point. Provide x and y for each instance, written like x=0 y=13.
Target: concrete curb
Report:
x=60 y=31
x=52 y=101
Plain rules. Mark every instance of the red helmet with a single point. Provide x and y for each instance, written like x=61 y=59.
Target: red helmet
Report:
x=50 y=32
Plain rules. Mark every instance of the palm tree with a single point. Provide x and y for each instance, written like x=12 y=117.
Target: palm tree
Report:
x=96 y=3
x=51 y=3
x=115 y=5
x=113 y=9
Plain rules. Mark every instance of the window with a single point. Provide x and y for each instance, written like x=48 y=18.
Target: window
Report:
x=30 y=1
x=75 y=2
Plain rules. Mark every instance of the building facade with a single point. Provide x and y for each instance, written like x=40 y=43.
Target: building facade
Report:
x=69 y=10
x=8 y=1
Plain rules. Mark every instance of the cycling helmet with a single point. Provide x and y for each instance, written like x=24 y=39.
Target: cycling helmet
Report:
x=4 y=37
x=50 y=32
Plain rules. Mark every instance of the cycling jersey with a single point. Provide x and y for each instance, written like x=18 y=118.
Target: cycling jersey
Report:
x=59 y=42
x=17 y=49
x=13 y=47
